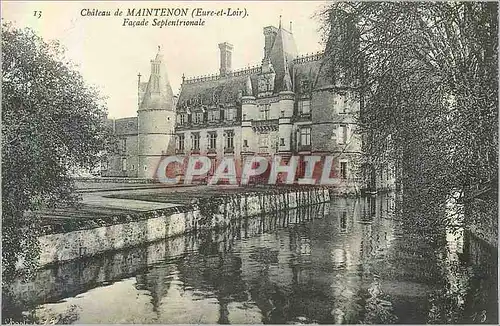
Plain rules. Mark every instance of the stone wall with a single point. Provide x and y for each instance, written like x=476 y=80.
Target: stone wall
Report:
x=150 y=226
x=67 y=279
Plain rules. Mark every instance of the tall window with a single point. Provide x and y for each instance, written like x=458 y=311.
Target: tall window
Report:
x=182 y=118
x=196 y=142
x=229 y=139
x=212 y=140
x=341 y=104
x=343 y=134
x=124 y=144
x=264 y=111
x=343 y=170
x=263 y=140
x=180 y=142
x=124 y=164
x=305 y=107
x=230 y=114
x=305 y=136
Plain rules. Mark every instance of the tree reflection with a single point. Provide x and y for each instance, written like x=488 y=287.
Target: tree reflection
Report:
x=378 y=309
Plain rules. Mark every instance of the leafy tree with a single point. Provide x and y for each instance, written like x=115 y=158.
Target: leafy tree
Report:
x=52 y=124
x=427 y=78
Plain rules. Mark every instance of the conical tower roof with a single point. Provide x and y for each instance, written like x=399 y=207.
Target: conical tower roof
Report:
x=248 y=87
x=158 y=94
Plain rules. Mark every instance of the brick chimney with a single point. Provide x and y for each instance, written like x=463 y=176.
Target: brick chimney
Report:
x=225 y=58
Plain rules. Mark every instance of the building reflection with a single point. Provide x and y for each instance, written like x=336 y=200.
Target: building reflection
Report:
x=285 y=267
x=350 y=261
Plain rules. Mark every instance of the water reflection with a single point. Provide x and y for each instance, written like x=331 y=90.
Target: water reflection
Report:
x=350 y=261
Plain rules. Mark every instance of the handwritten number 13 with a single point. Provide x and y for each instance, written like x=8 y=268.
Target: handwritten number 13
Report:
x=37 y=13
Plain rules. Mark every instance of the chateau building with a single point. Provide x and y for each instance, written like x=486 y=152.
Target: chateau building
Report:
x=289 y=105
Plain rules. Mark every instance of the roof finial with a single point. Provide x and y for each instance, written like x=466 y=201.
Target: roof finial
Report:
x=280 y=22
x=159 y=48
x=290 y=26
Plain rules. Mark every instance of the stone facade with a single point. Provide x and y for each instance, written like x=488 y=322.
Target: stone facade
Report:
x=288 y=105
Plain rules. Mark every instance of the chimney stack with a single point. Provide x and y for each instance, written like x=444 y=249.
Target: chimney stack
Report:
x=226 y=50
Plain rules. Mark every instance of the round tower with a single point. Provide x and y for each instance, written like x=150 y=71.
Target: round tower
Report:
x=156 y=120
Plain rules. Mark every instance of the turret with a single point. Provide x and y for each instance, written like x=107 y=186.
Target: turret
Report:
x=156 y=119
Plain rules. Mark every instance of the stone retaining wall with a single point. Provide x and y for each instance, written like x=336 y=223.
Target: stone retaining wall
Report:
x=155 y=225
x=68 y=279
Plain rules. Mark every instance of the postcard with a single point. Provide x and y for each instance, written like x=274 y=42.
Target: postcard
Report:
x=247 y=162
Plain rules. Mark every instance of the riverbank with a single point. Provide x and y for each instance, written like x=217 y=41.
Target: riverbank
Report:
x=340 y=253
x=148 y=215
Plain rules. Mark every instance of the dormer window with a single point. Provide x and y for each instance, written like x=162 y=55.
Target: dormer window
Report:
x=230 y=114
x=198 y=117
x=304 y=86
x=182 y=118
x=213 y=115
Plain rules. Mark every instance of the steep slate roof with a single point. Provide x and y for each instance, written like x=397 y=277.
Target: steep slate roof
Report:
x=124 y=126
x=305 y=71
x=226 y=89
x=158 y=93
x=214 y=92
x=283 y=50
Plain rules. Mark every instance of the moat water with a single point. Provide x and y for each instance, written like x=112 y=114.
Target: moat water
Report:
x=347 y=261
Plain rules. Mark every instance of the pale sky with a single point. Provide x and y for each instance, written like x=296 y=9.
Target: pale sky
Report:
x=110 y=55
